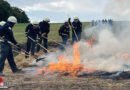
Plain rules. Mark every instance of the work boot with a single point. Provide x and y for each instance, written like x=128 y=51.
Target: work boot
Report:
x=18 y=71
x=26 y=56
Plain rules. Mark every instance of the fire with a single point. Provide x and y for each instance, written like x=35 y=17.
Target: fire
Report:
x=64 y=66
x=91 y=41
x=125 y=56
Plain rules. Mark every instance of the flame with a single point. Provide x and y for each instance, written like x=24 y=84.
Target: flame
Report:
x=91 y=41
x=64 y=66
x=125 y=56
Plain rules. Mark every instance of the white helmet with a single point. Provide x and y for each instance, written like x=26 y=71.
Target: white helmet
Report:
x=35 y=22
x=76 y=18
x=46 y=19
x=2 y=23
x=12 y=19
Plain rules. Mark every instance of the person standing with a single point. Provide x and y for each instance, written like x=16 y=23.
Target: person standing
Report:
x=45 y=29
x=6 y=35
x=110 y=21
x=92 y=23
x=32 y=32
x=64 y=32
x=76 y=30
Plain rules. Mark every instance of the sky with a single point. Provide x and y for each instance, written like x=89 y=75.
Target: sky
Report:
x=86 y=10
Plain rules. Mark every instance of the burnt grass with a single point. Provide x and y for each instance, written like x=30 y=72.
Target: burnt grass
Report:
x=39 y=82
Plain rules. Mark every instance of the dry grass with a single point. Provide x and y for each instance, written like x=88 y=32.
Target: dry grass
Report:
x=35 y=82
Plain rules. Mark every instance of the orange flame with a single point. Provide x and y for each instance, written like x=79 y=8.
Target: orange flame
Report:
x=64 y=66
x=91 y=41
x=125 y=56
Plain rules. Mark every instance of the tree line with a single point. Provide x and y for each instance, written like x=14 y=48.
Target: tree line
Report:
x=7 y=10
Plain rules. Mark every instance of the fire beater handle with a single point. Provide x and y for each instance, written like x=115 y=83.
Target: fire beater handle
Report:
x=70 y=23
x=38 y=44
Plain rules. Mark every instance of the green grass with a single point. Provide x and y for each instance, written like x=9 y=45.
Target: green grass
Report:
x=19 y=32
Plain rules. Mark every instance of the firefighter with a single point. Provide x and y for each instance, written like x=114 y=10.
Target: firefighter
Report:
x=106 y=21
x=2 y=23
x=76 y=30
x=110 y=22
x=103 y=21
x=45 y=29
x=6 y=35
x=32 y=31
x=64 y=32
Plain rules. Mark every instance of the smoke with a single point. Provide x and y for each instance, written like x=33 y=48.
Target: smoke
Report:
x=113 y=42
x=106 y=55
x=118 y=9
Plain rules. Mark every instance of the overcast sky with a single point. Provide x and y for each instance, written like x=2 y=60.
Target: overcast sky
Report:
x=86 y=10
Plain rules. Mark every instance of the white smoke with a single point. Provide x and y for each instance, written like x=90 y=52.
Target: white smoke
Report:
x=113 y=42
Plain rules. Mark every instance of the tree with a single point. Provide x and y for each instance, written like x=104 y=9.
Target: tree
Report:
x=6 y=10
x=20 y=15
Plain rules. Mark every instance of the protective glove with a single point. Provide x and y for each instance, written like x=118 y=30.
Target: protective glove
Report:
x=38 y=38
x=43 y=34
x=18 y=47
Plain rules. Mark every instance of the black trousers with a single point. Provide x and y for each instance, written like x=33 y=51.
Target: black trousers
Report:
x=30 y=46
x=45 y=44
x=6 y=53
x=74 y=39
x=64 y=41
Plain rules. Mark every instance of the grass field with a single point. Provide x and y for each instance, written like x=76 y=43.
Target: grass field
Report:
x=19 y=32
